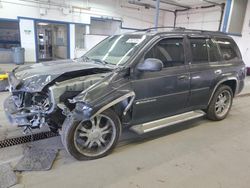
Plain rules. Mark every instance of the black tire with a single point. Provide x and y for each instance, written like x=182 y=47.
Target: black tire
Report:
x=70 y=127
x=211 y=110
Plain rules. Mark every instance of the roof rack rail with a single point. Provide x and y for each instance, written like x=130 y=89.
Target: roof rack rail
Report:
x=163 y=27
x=203 y=31
x=179 y=29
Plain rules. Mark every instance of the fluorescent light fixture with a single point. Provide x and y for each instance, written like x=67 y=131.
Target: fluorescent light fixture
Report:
x=43 y=24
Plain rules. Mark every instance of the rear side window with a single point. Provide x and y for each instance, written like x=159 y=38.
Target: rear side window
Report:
x=199 y=50
x=169 y=51
x=227 y=48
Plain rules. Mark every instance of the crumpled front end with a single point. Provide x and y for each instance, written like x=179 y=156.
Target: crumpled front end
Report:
x=26 y=109
x=31 y=108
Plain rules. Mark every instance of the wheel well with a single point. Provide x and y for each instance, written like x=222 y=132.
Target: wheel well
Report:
x=231 y=84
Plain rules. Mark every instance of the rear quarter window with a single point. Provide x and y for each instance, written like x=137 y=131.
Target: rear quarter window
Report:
x=228 y=48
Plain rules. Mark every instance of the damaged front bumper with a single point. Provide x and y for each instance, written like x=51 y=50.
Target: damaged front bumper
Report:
x=14 y=115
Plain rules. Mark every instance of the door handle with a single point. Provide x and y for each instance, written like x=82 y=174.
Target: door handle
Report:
x=183 y=77
x=218 y=71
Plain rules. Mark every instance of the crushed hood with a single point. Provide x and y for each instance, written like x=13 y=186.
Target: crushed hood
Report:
x=35 y=77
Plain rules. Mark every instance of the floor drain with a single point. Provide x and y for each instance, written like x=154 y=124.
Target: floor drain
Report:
x=27 y=138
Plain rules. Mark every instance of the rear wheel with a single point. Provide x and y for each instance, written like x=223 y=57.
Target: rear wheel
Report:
x=94 y=138
x=220 y=104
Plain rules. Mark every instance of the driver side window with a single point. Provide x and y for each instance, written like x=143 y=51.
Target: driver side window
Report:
x=169 y=51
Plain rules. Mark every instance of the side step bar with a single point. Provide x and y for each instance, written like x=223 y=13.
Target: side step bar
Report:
x=161 y=123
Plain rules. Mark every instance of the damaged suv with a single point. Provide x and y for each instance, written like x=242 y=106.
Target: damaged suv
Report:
x=143 y=80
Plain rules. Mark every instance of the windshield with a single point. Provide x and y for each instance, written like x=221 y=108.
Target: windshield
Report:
x=116 y=49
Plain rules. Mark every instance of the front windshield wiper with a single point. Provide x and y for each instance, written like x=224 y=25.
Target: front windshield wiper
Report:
x=100 y=61
x=86 y=59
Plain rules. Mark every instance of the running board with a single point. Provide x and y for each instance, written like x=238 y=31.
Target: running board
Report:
x=161 y=123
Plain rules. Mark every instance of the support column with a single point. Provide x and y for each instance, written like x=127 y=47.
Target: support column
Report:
x=157 y=11
x=72 y=44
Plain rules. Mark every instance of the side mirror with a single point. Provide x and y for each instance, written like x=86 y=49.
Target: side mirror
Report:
x=151 y=65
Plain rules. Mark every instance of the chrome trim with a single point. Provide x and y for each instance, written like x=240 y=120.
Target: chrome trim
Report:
x=160 y=96
x=161 y=123
x=145 y=101
x=130 y=94
x=200 y=89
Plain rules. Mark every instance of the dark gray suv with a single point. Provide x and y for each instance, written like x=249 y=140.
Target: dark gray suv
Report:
x=144 y=81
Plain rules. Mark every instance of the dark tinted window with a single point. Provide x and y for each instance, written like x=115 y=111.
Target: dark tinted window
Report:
x=199 y=50
x=169 y=51
x=213 y=51
x=227 y=48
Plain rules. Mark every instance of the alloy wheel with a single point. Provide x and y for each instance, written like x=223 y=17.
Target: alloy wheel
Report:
x=223 y=103
x=95 y=137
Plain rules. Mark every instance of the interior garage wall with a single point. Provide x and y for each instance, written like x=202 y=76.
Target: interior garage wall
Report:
x=244 y=40
x=16 y=8
x=206 y=19
x=131 y=17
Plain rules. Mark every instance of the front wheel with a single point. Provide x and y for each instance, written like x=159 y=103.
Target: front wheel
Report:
x=92 y=139
x=220 y=104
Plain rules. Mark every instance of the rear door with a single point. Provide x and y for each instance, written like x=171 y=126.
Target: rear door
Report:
x=203 y=64
x=162 y=93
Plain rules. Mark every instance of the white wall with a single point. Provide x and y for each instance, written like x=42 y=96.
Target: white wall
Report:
x=205 y=19
x=27 y=34
x=244 y=41
x=16 y=8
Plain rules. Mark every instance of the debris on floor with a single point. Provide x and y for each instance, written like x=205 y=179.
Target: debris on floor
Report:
x=7 y=176
x=37 y=159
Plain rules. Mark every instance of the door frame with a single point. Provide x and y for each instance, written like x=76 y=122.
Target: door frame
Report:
x=67 y=24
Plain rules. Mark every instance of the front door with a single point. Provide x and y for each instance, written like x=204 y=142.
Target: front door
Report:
x=162 y=93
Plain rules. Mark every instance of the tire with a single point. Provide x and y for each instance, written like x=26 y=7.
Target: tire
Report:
x=223 y=92
x=78 y=136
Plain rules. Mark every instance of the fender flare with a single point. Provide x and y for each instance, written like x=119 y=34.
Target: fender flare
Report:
x=116 y=101
x=220 y=82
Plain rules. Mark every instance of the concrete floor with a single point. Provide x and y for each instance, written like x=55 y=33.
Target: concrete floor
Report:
x=198 y=153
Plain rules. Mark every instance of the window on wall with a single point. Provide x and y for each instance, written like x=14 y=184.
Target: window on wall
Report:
x=227 y=48
x=9 y=34
x=199 y=50
x=80 y=32
x=99 y=26
x=169 y=51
